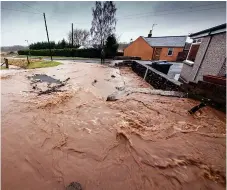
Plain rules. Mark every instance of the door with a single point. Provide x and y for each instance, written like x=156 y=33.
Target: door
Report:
x=156 y=54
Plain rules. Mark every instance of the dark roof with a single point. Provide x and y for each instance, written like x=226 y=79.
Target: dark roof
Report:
x=209 y=30
x=122 y=46
x=166 y=41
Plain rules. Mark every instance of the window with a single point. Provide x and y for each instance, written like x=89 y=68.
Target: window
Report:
x=197 y=41
x=170 y=51
x=193 y=52
x=194 y=49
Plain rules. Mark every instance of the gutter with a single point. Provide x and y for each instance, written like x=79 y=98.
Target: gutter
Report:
x=213 y=30
x=197 y=71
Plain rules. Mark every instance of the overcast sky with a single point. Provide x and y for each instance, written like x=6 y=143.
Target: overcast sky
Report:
x=134 y=19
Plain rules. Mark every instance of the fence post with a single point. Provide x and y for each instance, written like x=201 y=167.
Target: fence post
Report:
x=28 y=60
x=145 y=74
x=7 y=63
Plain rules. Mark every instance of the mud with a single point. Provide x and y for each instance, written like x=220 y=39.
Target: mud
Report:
x=140 y=141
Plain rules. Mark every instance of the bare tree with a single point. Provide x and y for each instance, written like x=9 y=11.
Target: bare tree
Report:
x=104 y=21
x=80 y=37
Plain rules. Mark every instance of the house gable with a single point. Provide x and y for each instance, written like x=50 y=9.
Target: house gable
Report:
x=139 y=48
x=138 y=39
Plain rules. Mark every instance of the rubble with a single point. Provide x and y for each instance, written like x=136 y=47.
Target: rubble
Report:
x=74 y=186
x=42 y=83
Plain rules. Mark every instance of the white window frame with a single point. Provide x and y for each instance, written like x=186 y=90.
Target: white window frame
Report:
x=197 y=41
x=168 y=52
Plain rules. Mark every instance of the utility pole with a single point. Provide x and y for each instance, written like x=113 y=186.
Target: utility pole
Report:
x=47 y=35
x=72 y=35
x=28 y=47
x=28 y=52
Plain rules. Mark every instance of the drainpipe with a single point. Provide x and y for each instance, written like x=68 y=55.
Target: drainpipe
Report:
x=152 y=54
x=197 y=71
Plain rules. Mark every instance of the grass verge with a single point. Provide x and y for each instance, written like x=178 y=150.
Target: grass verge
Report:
x=34 y=63
x=42 y=64
x=3 y=67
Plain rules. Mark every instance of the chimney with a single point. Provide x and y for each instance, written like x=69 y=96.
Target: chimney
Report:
x=150 y=34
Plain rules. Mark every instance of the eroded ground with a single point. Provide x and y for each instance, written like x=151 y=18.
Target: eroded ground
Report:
x=141 y=141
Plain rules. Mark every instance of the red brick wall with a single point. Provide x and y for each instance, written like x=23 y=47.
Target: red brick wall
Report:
x=164 y=54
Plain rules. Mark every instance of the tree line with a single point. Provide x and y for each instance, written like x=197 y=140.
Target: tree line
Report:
x=45 y=45
x=101 y=35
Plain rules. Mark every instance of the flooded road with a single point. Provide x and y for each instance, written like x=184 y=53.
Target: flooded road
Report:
x=140 y=141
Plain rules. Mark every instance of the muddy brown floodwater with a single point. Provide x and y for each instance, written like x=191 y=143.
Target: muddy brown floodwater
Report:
x=140 y=142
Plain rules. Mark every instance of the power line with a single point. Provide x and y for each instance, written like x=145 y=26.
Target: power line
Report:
x=20 y=11
x=169 y=10
x=145 y=14
x=171 y=13
x=198 y=19
x=157 y=15
x=30 y=6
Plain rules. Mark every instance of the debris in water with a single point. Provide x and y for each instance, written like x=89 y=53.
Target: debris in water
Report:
x=52 y=89
x=196 y=108
x=66 y=79
x=121 y=88
x=94 y=82
x=74 y=186
x=86 y=129
x=111 y=98
x=113 y=76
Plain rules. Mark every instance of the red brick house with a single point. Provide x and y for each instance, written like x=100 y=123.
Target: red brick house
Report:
x=156 y=48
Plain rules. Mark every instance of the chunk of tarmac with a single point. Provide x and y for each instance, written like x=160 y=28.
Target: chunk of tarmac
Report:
x=74 y=186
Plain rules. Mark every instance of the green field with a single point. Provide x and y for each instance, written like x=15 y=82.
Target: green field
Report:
x=42 y=64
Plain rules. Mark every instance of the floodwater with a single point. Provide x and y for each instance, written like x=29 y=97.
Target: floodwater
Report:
x=140 y=141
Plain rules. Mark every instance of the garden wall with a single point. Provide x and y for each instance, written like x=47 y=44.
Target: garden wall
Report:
x=155 y=78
